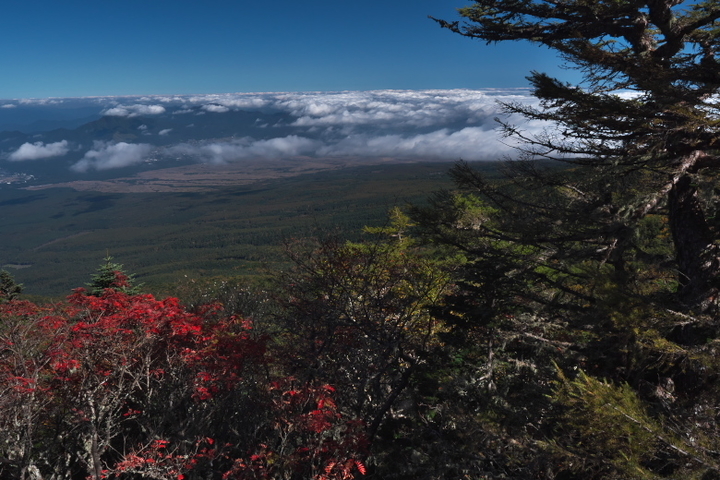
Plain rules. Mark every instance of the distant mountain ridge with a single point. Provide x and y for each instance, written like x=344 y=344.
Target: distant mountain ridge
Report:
x=30 y=119
x=156 y=130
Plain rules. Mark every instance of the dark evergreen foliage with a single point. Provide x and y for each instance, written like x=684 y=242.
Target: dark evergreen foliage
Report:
x=9 y=288
x=111 y=275
x=585 y=310
x=641 y=127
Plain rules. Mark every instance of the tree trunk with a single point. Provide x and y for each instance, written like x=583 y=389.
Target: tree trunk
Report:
x=695 y=253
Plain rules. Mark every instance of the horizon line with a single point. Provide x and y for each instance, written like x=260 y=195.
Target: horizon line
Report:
x=277 y=92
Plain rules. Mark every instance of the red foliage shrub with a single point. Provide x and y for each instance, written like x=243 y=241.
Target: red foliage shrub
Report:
x=123 y=386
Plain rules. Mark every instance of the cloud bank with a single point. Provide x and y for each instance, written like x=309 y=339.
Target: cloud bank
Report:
x=396 y=108
x=106 y=156
x=134 y=110
x=240 y=149
x=474 y=143
x=38 y=150
x=404 y=124
x=437 y=124
x=429 y=124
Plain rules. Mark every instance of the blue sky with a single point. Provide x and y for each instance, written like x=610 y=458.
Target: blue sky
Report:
x=109 y=47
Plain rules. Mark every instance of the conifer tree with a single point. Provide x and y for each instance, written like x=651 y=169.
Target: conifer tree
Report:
x=589 y=286
x=9 y=289
x=641 y=126
x=111 y=275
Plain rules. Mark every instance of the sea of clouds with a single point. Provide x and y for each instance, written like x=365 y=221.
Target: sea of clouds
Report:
x=428 y=124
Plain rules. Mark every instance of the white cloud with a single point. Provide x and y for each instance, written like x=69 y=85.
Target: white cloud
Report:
x=9 y=105
x=41 y=101
x=226 y=152
x=215 y=108
x=427 y=109
x=438 y=124
x=411 y=109
x=105 y=156
x=38 y=150
x=471 y=143
x=116 y=112
x=134 y=110
x=244 y=101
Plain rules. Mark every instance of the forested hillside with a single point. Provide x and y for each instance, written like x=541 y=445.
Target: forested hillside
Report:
x=202 y=227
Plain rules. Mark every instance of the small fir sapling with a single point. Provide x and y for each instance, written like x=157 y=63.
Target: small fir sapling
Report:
x=112 y=275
